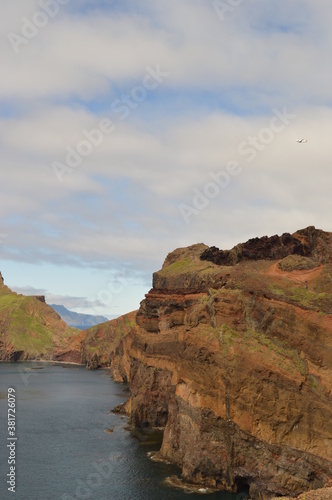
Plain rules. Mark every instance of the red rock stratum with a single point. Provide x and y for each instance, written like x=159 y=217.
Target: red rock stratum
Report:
x=230 y=355
x=233 y=359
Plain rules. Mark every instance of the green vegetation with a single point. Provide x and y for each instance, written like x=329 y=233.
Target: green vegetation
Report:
x=29 y=325
x=206 y=331
x=297 y=262
x=102 y=340
x=317 y=297
x=315 y=385
x=189 y=265
x=321 y=302
x=277 y=290
x=323 y=283
x=251 y=341
x=277 y=352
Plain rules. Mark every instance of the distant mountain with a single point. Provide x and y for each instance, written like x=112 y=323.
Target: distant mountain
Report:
x=81 y=321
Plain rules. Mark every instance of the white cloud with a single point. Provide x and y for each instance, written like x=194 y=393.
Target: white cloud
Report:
x=119 y=208
x=252 y=47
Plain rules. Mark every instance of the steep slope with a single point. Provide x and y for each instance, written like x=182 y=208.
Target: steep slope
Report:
x=78 y=320
x=233 y=358
x=30 y=329
x=108 y=344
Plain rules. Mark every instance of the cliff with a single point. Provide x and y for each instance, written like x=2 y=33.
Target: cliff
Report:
x=230 y=354
x=108 y=344
x=30 y=330
x=233 y=359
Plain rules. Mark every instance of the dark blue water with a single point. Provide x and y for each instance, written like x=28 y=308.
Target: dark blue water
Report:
x=62 y=451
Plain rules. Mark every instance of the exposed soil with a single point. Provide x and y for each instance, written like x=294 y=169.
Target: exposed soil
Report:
x=298 y=276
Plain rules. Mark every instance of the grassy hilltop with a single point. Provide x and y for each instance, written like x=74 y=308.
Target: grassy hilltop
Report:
x=30 y=329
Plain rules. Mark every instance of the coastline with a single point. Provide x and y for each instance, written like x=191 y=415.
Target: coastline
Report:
x=52 y=362
x=42 y=361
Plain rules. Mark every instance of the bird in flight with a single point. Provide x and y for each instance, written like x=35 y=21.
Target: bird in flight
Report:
x=301 y=140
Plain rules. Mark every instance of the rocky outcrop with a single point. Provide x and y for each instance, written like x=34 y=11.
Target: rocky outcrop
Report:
x=234 y=362
x=308 y=242
x=230 y=354
x=41 y=298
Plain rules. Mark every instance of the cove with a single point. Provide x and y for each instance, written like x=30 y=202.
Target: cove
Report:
x=64 y=450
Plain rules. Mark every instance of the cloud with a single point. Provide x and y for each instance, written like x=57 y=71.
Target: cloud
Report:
x=70 y=302
x=112 y=206
x=255 y=48
x=118 y=208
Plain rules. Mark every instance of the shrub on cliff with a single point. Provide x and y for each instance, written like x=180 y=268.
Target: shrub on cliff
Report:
x=297 y=263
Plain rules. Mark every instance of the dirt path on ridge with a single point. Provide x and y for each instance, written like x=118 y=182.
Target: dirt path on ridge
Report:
x=296 y=276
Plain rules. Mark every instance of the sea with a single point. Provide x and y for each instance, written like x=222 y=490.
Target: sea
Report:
x=65 y=444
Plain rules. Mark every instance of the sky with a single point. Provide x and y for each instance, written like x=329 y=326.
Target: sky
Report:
x=129 y=129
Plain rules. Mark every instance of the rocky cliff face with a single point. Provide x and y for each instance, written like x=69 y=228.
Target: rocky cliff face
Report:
x=30 y=330
x=233 y=358
x=230 y=354
x=108 y=344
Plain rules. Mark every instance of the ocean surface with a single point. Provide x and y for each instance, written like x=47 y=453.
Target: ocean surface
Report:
x=62 y=450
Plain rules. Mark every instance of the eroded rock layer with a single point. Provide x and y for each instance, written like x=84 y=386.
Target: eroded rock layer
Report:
x=235 y=363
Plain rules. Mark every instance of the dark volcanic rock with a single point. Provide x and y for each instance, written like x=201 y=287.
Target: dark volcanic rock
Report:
x=235 y=364
x=308 y=242
x=41 y=298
